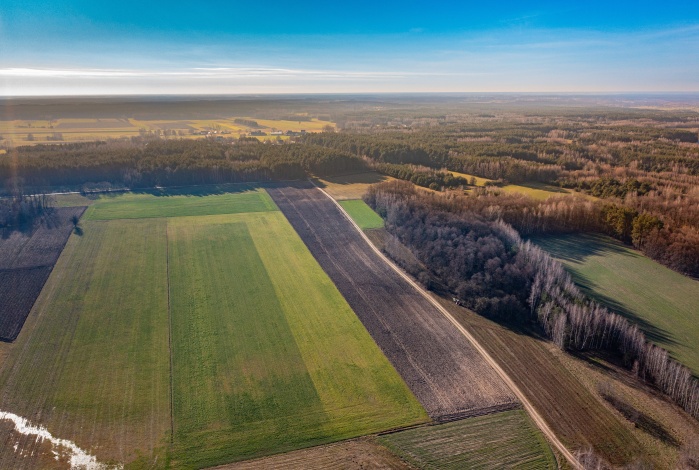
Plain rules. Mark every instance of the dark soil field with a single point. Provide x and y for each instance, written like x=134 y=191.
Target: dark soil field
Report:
x=441 y=367
x=578 y=417
x=26 y=260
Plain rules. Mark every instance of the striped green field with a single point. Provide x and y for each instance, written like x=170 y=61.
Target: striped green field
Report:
x=268 y=356
x=362 y=214
x=187 y=342
x=500 y=440
x=173 y=203
x=662 y=302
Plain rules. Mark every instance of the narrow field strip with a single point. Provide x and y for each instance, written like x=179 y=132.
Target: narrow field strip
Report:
x=362 y=214
x=177 y=203
x=499 y=440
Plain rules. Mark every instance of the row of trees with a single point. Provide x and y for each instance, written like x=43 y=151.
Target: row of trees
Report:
x=484 y=262
x=170 y=162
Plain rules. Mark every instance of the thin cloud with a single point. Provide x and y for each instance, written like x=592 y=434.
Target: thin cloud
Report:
x=208 y=72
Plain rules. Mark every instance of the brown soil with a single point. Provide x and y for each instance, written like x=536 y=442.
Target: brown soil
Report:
x=27 y=257
x=446 y=373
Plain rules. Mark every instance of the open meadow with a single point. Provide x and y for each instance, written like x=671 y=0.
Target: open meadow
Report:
x=662 y=302
x=150 y=347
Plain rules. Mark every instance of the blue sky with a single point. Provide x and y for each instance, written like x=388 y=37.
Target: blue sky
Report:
x=215 y=47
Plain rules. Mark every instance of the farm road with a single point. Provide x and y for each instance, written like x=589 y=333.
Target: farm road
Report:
x=441 y=366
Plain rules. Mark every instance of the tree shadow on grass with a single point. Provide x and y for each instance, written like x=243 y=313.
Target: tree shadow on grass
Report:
x=197 y=191
x=638 y=418
x=576 y=249
x=353 y=178
x=544 y=187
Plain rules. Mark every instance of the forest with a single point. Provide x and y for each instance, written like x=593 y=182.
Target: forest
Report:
x=482 y=261
x=139 y=163
x=641 y=166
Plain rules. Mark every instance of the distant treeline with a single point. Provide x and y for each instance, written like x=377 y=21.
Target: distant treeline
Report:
x=436 y=148
x=246 y=122
x=170 y=162
x=483 y=261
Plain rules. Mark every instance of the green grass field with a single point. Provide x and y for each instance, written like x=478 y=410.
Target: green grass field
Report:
x=272 y=359
x=92 y=360
x=266 y=354
x=499 y=440
x=178 y=203
x=362 y=214
x=662 y=302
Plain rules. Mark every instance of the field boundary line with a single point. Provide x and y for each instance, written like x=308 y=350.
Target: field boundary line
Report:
x=536 y=417
x=169 y=332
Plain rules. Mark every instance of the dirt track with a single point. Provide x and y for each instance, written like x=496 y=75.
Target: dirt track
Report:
x=529 y=407
x=442 y=368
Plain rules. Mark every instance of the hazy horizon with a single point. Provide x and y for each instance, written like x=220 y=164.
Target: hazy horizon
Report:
x=223 y=48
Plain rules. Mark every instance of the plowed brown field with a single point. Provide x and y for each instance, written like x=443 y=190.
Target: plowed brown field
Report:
x=442 y=368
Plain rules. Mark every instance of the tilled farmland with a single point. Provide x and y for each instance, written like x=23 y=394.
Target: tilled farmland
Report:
x=26 y=260
x=442 y=368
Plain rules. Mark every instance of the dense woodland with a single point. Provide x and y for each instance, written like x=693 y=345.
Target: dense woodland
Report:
x=643 y=167
x=482 y=260
x=155 y=162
